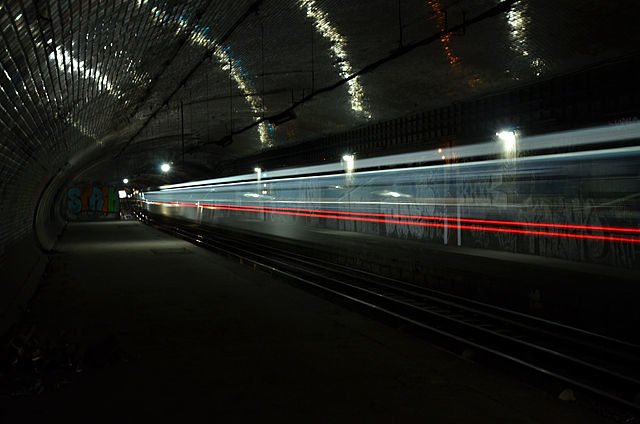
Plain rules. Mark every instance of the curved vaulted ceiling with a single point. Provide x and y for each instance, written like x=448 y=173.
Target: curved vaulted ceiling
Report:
x=126 y=82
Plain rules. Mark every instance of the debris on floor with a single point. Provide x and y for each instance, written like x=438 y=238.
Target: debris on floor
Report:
x=31 y=362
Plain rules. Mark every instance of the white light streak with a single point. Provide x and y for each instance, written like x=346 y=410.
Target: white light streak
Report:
x=532 y=161
x=393 y=194
x=559 y=140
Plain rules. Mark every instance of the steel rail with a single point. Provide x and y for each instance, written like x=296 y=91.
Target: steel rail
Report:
x=399 y=304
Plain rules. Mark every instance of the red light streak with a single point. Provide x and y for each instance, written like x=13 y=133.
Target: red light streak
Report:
x=392 y=219
x=438 y=218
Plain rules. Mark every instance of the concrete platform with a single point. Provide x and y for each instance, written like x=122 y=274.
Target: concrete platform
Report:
x=161 y=330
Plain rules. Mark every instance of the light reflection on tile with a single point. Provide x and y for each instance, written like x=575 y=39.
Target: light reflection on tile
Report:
x=338 y=50
x=445 y=39
x=472 y=79
x=199 y=36
x=78 y=69
x=73 y=66
x=518 y=21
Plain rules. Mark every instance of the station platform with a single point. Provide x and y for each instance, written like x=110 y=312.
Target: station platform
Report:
x=136 y=325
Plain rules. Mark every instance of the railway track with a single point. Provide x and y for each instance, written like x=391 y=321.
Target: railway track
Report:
x=586 y=362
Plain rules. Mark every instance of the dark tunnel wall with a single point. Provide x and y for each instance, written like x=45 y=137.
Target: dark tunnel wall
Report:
x=32 y=184
x=21 y=258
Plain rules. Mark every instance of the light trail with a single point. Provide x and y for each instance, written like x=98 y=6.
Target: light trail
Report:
x=531 y=144
x=392 y=219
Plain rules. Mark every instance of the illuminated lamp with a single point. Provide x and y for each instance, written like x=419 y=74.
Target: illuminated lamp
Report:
x=349 y=162
x=508 y=139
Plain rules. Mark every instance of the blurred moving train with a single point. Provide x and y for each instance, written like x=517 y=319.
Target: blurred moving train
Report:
x=572 y=195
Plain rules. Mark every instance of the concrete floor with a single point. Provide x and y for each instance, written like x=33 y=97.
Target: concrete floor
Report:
x=174 y=332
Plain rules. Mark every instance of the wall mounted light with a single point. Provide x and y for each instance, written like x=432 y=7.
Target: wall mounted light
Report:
x=509 y=141
x=349 y=162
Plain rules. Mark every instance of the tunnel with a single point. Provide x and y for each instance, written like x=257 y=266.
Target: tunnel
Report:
x=319 y=211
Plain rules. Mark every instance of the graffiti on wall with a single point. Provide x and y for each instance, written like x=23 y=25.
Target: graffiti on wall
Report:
x=92 y=201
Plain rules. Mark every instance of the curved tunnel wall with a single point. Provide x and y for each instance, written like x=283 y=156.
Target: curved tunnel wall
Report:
x=22 y=260
x=67 y=89
x=31 y=189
